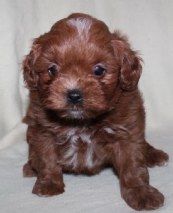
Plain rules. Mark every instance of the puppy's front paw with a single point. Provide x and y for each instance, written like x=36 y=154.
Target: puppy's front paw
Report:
x=46 y=187
x=143 y=197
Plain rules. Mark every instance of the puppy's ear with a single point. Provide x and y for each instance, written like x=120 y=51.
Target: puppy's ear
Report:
x=30 y=76
x=130 y=62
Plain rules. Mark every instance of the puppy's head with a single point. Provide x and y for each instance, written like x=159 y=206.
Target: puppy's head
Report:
x=78 y=65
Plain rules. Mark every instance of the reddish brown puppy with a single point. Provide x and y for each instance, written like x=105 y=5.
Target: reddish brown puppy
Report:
x=86 y=111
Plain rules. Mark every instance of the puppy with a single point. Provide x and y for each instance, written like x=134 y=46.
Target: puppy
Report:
x=86 y=112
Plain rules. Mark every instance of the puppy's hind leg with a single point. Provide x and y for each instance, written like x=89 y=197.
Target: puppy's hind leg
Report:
x=155 y=157
x=28 y=171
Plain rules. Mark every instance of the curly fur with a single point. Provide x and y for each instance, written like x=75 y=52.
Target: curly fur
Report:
x=104 y=126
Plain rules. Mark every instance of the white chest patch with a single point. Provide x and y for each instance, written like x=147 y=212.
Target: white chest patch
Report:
x=70 y=157
x=73 y=136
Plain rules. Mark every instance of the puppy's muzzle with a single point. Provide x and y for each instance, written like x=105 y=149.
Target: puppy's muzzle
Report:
x=74 y=96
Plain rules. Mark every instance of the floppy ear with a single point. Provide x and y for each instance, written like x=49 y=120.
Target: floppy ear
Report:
x=130 y=62
x=30 y=76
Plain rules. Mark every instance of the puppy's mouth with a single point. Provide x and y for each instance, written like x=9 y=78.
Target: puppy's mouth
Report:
x=75 y=106
x=75 y=113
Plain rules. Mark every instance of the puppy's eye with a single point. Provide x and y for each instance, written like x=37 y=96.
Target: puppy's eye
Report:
x=99 y=71
x=53 y=70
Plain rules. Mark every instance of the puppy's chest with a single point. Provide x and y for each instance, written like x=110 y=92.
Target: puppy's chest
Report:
x=78 y=149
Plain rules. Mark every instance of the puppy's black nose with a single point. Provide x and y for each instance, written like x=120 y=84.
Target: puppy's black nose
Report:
x=74 y=96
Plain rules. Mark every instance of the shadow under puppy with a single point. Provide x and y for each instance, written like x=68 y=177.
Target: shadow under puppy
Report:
x=86 y=111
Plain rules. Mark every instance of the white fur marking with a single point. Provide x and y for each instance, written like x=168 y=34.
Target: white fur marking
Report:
x=85 y=138
x=115 y=128
x=164 y=163
x=109 y=130
x=71 y=132
x=71 y=156
x=82 y=25
x=89 y=156
x=76 y=114
x=73 y=136
x=70 y=83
